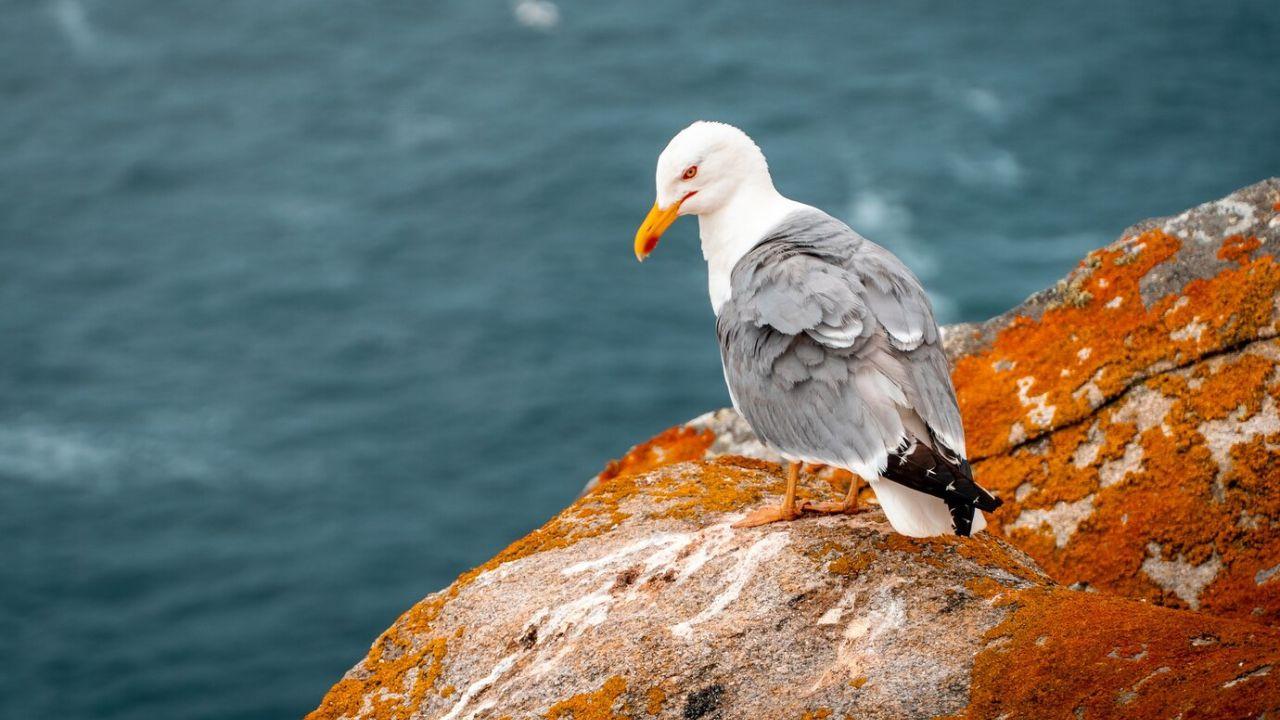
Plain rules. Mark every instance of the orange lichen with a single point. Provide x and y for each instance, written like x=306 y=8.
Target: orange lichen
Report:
x=1045 y=373
x=1044 y=408
x=984 y=587
x=820 y=714
x=1237 y=248
x=846 y=565
x=655 y=699
x=673 y=445
x=407 y=644
x=596 y=705
x=1087 y=493
x=838 y=559
x=720 y=485
x=982 y=550
x=1158 y=493
x=1250 y=586
x=1091 y=655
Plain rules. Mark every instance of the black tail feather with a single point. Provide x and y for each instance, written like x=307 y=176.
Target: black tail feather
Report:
x=920 y=467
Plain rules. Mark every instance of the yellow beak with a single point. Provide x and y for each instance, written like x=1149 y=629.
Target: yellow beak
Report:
x=655 y=223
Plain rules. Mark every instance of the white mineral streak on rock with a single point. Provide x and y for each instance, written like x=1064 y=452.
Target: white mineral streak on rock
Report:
x=1264 y=670
x=1180 y=577
x=1063 y=519
x=1225 y=433
x=1265 y=576
x=666 y=540
x=1041 y=413
x=1087 y=451
x=1017 y=433
x=1143 y=407
x=1127 y=696
x=574 y=617
x=666 y=553
x=1113 y=471
x=1241 y=211
x=1238 y=214
x=718 y=538
x=832 y=616
x=1090 y=390
x=1191 y=331
x=382 y=695
x=478 y=687
x=671 y=557
x=738 y=576
x=880 y=633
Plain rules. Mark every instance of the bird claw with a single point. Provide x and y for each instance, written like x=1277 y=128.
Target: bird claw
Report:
x=834 y=508
x=766 y=515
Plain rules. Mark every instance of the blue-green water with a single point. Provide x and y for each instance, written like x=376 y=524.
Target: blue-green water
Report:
x=307 y=305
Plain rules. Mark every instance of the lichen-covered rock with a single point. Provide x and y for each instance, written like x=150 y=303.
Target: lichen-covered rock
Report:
x=639 y=601
x=1128 y=416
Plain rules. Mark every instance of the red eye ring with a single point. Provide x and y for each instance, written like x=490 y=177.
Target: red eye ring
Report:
x=690 y=172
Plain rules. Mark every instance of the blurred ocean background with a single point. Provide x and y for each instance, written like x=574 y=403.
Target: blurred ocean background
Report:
x=307 y=306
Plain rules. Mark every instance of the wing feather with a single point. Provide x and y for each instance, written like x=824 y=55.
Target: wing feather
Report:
x=826 y=339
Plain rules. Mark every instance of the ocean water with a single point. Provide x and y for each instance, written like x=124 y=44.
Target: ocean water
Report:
x=307 y=306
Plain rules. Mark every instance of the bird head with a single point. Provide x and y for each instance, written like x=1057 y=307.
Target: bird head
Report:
x=700 y=171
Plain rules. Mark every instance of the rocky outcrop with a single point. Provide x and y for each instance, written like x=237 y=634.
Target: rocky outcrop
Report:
x=639 y=601
x=1128 y=416
x=1129 y=419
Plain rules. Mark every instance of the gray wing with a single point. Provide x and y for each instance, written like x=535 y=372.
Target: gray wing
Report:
x=828 y=341
x=902 y=308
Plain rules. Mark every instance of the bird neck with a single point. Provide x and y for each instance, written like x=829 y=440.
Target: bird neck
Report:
x=731 y=230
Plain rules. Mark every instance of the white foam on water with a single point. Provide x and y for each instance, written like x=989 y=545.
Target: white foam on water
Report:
x=984 y=103
x=990 y=167
x=73 y=21
x=537 y=14
x=46 y=454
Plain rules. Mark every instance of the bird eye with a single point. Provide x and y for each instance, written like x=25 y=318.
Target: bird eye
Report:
x=690 y=172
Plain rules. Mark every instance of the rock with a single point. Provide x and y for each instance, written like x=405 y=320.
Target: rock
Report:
x=1128 y=416
x=639 y=601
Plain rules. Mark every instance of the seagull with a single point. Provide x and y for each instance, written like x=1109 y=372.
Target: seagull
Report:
x=828 y=341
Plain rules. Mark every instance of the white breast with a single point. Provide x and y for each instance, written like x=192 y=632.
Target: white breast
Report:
x=732 y=231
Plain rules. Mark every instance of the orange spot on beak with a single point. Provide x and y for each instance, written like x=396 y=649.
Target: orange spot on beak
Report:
x=656 y=223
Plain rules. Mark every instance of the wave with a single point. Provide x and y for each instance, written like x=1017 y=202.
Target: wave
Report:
x=48 y=455
x=996 y=167
x=537 y=14
x=73 y=21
